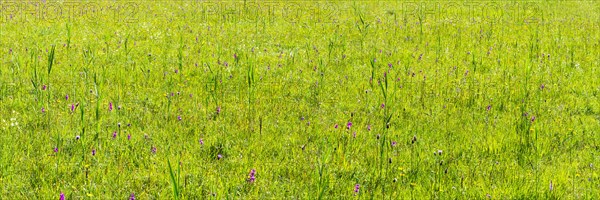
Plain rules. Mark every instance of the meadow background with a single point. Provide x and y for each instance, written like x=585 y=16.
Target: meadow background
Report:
x=322 y=99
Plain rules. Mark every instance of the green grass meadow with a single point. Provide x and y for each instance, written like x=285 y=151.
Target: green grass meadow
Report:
x=188 y=99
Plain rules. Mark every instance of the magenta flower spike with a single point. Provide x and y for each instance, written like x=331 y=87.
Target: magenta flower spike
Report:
x=251 y=177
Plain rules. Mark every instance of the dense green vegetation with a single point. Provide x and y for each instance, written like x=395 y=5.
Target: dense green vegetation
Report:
x=299 y=100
